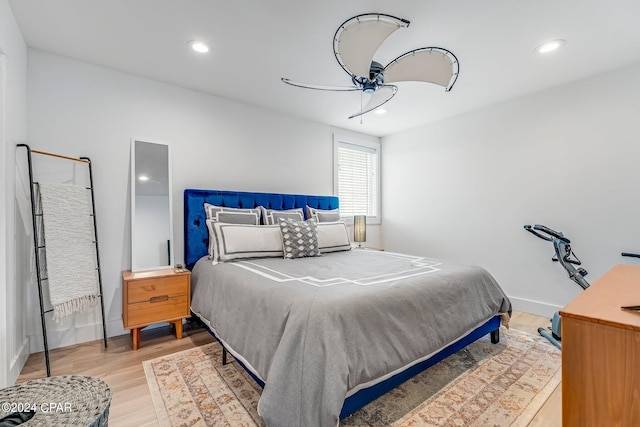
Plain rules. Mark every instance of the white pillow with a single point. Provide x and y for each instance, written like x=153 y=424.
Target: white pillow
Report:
x=212 y=238
x=237 y=241
x=333 y=237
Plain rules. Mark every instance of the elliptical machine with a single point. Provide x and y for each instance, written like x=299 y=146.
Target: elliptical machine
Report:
x=568 y=260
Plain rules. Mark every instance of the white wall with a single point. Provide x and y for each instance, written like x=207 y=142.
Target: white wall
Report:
x=79 y=109
x=568 y=158
x=13 y=130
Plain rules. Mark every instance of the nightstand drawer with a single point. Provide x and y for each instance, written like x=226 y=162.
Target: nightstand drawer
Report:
x=145 y=290
x=158 y=309
x=155 y=296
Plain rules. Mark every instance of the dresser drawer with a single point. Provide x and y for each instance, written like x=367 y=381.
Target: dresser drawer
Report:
x=157 y=310
x=146 y=289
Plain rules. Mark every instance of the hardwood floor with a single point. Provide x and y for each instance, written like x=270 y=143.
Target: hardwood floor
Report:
x=121 y=368
x=550 y=415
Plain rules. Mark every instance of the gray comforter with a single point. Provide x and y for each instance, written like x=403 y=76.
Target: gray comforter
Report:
x=317 y=330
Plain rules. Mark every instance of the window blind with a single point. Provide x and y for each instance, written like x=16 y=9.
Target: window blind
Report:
x=357 y=180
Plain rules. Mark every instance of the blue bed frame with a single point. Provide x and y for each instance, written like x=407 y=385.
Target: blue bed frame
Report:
x=196 y=235
x=195 y=247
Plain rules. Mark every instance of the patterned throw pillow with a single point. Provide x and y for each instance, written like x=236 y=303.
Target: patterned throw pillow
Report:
x=299 y=238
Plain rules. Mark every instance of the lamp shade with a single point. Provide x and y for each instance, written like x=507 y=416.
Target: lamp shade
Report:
x=359 y=228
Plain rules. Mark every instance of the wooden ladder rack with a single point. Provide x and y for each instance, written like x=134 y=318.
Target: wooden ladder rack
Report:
x=37 y=247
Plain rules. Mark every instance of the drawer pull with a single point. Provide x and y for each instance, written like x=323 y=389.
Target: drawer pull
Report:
x=159 y=299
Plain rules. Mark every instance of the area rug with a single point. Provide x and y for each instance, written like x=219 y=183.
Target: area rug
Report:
x=481 y=385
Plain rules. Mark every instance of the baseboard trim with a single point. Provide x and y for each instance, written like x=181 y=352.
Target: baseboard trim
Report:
x=534 y=307
x=18 y=362
x=78 y=335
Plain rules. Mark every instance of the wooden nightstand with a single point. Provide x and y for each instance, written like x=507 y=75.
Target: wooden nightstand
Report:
x=155 y=296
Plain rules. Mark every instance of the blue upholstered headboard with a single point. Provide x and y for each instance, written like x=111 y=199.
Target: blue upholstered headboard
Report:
x=196 y=235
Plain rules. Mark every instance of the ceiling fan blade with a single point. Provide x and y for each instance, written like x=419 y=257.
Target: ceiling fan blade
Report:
x=358 y=38
x=320 y=87
x=379 y=97
x=428 y=64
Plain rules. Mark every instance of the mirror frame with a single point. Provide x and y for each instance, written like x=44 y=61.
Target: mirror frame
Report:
x=135 y=267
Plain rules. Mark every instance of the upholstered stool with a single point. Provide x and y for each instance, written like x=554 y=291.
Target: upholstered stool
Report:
x=70 y=400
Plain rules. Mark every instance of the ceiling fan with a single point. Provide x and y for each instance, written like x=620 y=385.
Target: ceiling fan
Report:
x=354 y=45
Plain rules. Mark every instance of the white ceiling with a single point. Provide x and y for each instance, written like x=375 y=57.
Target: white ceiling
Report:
x=256 y=42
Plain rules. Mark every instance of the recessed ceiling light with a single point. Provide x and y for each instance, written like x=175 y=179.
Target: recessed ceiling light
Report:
x=143 y=178
x=380 y=111
x=199 y=46
x=550 y=46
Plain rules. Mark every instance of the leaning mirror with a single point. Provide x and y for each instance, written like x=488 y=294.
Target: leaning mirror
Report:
x=151 y=216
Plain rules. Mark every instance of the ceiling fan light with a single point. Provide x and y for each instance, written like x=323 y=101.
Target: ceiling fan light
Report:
x=380 y=111
x=369 y=87
x=379 y=97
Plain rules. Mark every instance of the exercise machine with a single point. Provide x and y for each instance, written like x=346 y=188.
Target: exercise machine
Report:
x=568 y=260
x=630 y=255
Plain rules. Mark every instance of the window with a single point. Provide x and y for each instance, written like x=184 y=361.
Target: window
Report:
x=357 y=177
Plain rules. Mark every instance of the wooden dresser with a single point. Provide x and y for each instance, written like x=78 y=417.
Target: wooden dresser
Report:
x=601 y=353
x=155 y=296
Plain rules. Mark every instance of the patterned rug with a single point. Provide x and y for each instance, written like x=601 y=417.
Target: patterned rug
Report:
x=481 y=385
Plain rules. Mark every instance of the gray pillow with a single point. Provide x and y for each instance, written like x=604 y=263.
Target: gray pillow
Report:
x=271 y=216
x=299 y=238
x=230 y=216
x=321 y=215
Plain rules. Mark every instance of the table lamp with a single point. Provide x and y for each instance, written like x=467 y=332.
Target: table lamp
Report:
x=359 y=229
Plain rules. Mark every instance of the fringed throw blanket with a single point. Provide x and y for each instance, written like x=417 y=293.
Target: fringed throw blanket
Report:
x=69 y=247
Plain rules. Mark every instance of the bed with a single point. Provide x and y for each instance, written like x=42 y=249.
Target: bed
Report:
x=326 y=335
